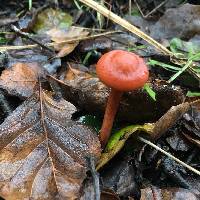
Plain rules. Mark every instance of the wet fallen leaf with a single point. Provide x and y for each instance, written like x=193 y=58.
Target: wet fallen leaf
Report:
x=61 y=34
x=181 y=22
x=66 y=49
x=89 y=94
x=21 y=79
x=109 y=195
x=191 y=124
x=43 y=151
x=119 y=176
x=37 y=55
x=177 y=142
x=153 y=130
x=152 y=193
x=192 y=140
x=88 y=190
x=51 y=18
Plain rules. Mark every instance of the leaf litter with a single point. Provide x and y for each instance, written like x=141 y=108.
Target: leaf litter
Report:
x=82 y=89
x=43 y=151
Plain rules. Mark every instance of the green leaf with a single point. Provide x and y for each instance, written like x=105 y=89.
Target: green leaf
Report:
x=175 y=45
x=88 y=55
x=190 y=50
x=188 y=64
x=193 y=94
x=149 y=91
x=118 y=139
x=52 y=18
x=136 y=47
x=168 y=67
x=30 y=4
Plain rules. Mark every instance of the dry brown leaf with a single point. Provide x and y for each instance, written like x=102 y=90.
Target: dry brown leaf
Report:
x=73 y=74
x=192 y=140
x=20 y=79
x=171 y=117
x=43 y=155
x=59 y=36
x=65 y=49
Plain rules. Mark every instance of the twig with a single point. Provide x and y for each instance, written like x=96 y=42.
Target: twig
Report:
x=95 y=177
x=124 y=23
x=26 y=35
x=130 y=6
x=6 y=48
x=170 y=156
x=152 y=11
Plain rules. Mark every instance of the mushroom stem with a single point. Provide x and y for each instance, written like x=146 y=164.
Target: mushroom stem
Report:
x=109 y=116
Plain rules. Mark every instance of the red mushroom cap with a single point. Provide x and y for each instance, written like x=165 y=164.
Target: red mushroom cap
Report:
x=122 y=70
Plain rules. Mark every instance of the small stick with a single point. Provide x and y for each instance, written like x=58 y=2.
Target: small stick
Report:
x=152 y=11
x=127 y=25
x=95 y=177
x=130 y=7
x=26 y=35
x=5 y=48
x=170 y=156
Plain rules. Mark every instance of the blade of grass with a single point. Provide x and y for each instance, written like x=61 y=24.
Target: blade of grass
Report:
x=30 y=3
x=193 y=94
x=163 y=65
x=150 y=92
x=188 y=64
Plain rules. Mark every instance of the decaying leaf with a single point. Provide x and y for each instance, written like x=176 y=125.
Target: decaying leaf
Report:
x=109 y=195
x=154 y=130
x=89 y=94
x=120 y=176
x=192 y=140
x=33 y=55
x=181 y=22
x=65 y=49
x=60 y=35
x=169 y=119
x=43 y=151
x=20 y=79
x=167 y=194
x=51 y=18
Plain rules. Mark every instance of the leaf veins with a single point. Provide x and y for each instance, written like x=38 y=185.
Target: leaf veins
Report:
x=44 y=159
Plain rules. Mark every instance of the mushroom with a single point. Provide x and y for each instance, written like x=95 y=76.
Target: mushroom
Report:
x=121 y=71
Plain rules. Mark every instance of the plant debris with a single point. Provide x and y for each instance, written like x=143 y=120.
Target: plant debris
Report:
x=43 y=153
x=52 y=103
